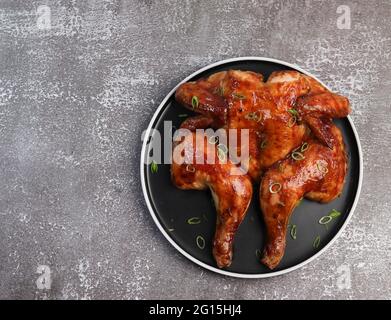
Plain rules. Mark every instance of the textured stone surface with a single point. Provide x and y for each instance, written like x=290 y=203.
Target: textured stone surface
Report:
x=74 y=100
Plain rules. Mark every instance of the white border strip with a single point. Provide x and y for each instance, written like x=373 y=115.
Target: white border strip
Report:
x=190 y=257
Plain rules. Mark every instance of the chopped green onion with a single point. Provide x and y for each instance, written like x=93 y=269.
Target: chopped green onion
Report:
x=184 y=115
x=194 y=220
x=294 y=232
x=280 y=167
x=223 y=148
x=190 y=168
x=293 y=112
x=316 y=242
x=304 y=147
x=253 y=116
x=221 y=155
x=263 y=144
x=292 y=121
x=238 y=96
x=275 y=190
x=213 y=139
x=321 y=168
x=194 y=102
x=296 y=155
x=200 y=242
x=334 y=213
x=171 y=230
x=325 y=220
x=154 y=167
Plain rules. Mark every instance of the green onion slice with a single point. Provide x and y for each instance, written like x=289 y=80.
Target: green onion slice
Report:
x=263 y=144
x=238 y=96
x=275 y=187
x=223 y=148
x=296 y=155
x=334 y=213
x=304 y=147
x=325 y=220
x=322 y=168
x=200 y=242
x=194 y=102
x=194 y=220
x=190 y=168
x=213 y=139
x=154 y=167
x=293 y=112
x=253 y=116
x=316 y=242
x=221 y=155
x=292 y=121
x=184 y=115
x=294 y=232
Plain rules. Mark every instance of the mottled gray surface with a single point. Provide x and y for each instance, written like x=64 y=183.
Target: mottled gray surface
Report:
x=73 y=103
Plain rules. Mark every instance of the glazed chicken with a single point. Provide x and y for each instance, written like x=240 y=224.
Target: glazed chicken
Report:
x=242 y=100
x=313 y=171
x=231 y=193
x=288 y=110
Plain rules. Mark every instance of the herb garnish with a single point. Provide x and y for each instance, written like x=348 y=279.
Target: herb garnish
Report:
x=316 y=242
x=200 y=242
x=194 y=102
x=194 y=220
x=154 y=167
x=275 y=187
x=332 y=215
x=238 y=96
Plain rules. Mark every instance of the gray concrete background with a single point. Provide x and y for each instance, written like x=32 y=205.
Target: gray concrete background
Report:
x=74 y=100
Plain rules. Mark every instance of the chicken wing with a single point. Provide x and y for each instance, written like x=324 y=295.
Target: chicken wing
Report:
x=316 y=109
x=314 y=171
x=231 y=193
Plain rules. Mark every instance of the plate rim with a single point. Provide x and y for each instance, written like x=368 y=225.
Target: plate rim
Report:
x=188 y=255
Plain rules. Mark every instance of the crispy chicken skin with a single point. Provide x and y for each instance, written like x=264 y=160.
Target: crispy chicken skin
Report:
x=281 y=114
x=231 y=193
x=319 y=176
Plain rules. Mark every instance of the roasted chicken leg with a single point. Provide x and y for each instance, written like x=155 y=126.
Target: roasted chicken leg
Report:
x=231 y=192
x=315 y=171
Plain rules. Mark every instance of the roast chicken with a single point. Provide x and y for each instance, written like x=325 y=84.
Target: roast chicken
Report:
x=282 y=114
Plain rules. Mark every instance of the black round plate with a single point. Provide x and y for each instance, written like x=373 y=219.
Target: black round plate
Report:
x=171 y=207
